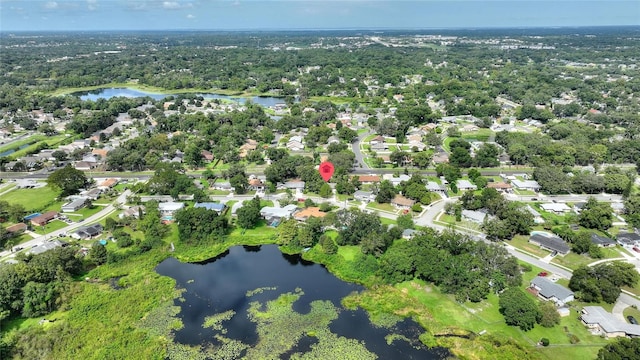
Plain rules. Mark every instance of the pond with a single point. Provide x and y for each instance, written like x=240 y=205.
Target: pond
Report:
x=108 y=93
x=269 y=304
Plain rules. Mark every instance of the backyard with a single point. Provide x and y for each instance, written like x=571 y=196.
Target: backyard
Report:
x=33 y=200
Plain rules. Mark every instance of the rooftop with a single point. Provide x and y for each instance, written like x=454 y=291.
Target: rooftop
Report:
x=608 y=322
x=551 y=242
x=549 y=289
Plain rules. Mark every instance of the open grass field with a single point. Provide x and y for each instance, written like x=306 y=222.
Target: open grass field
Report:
x=51 y=226
x=522 y=242
x=33 y=200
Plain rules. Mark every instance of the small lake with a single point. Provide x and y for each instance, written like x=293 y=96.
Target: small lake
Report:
x=246 y=279
x=108 y=93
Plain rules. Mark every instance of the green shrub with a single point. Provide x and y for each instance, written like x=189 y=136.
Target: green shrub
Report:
x=544 y=342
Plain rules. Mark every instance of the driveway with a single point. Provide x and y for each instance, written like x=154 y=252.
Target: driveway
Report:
x=355 y=147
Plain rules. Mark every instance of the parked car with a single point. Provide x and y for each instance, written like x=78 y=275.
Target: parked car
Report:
x=636 y=249
x=543 y=273
x=632 y=320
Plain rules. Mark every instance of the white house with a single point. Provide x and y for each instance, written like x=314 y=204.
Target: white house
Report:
x=169 y=208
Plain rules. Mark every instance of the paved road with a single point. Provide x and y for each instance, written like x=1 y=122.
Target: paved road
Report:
x=356 y=150
x=93 y=218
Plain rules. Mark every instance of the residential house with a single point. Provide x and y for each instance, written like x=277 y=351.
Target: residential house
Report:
x=628 y=239
x=295 y=143
x=550 y=291
x=550 y=242
x=256 y=184
x=249 y=146
x=502 y=187
x=396 y=180
x=222 y=185
x=537 y=218
x=17 y=228
x=469 y=128
x=409 y=233
x=206 y=155
x=108 y=184
x=474 y=216
x=364 y=196
x=558 y=208
x=465 y=185
x=217 y=207
x=530 y=185
x=294 y=185
x=368 y=179
x=602 y=241
x=377 y=140
x=84 y=165
x=380 y=147
x=92 y=194
x=158 y=198
x=333 y=140
x=312 y=211
x=75 y=205
x=133 y=211
x=440 y=158
x=46 y=246
x=417 y=144
x=87 y=232
x=100 y=153
x=604 y=323
x=402 y=202
x=43 y=219
x=435 y=187
x=169 y=208
x=275 y=215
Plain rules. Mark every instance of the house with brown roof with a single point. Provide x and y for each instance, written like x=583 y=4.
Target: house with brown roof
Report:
x=17 y=228
x=206 y=155
x=312 y=211
x=250 y=145
x=100 y=152
x=369 y=179
x=500 y=186
x=377 y=140
x=402 y=202
x=108 y=184
x=43 y=219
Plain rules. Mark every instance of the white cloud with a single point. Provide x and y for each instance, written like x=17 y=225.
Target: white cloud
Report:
x=51 y=5
x=171 y=5
x=191 y=16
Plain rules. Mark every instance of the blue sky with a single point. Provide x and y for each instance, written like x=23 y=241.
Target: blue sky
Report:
x=39 y=15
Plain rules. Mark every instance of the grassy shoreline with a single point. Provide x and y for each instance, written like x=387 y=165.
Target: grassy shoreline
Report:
x=90 y=314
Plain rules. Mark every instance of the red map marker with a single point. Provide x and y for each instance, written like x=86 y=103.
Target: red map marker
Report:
x=326 y=170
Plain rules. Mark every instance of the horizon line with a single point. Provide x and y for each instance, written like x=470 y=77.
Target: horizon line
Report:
x=533 y=27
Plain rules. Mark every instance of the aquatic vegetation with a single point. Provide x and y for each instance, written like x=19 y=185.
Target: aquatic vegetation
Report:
x=250 y=293
x=162 y=320
x=279 y=329
x=215 y=321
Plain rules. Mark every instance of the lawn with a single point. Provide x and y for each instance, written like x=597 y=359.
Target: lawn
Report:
x=522 y=242
x=51 y=226
x=349 y=252
x=574 y=261
x=486 y=316
x=480 y=135
x=33 y=200
x=383 y=207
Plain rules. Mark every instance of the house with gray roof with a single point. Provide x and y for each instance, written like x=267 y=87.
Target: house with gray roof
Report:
x=409 y=233
x=364 y=196
x=278 y=212
x=604 y=323
x=550 y=291
x=531 y=185
x=465 y=185
x=217 y=207
x=44 y=247
x=602 y=241
x=628 y=239
x=435 y=187
x=550 y=242
x=474 y=216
